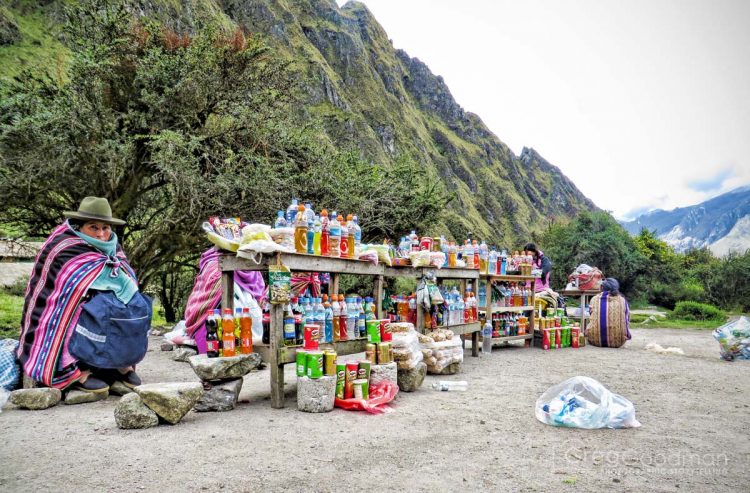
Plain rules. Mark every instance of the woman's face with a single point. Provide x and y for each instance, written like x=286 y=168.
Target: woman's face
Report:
x=96 y=229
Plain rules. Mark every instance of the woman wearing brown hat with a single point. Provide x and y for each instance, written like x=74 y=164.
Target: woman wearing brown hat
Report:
x=85 y=321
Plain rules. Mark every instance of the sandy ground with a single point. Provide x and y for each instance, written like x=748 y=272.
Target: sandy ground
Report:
x=694 y=411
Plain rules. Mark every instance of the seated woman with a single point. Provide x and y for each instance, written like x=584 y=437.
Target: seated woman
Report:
x=610 y=317
x=81 y=260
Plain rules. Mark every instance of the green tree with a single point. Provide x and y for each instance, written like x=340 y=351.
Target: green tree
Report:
x=172 y=129
x=661 y=267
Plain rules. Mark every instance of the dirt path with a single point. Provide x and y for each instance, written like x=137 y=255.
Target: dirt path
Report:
x=693 y=408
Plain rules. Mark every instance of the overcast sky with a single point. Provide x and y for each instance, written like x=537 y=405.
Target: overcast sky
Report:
x=642 y=103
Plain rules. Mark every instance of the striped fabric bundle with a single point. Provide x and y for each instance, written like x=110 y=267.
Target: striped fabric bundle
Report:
x=63 y=271
x=610 y=320
x=206 y=292
x=301 y=281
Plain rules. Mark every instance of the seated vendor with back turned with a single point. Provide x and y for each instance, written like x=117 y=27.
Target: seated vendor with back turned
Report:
x=609 y=325
x=85 y=322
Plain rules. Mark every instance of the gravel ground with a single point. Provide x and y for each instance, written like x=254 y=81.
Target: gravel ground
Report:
x=692 y=409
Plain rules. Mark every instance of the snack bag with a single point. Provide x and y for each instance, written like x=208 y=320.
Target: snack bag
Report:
x=279 y=284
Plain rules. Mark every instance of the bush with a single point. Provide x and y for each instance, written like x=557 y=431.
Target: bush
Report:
x=692 y=310
x=18 y=288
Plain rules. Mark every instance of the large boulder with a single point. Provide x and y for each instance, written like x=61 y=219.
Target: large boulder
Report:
x=225 y=368
x=35 y=399
x=171 y=401
x=132 y=413
x=316 y=395
x=411 y=380
x=183 y=353
x=81 y=397
x=221 y=396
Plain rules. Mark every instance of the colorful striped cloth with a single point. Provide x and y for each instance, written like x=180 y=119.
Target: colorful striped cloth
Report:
x=64 y=269
x=610 y=320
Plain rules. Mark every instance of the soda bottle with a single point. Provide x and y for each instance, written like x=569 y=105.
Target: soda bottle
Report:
x=468 y=255
x=212 y=336
x=361 y=318
x=334 y=241
x=219 y=330
x=290 y=337
x=336 y=314
x=327 y=319
x=317 y=231
x=357 y=232
x=474 y=308
x=319 y=315
x=291 y=213
x=414 y=238
x=227 y=330
x=352 y=235
x=343 y=319
x=246 y=332
x=300 y=231
x=344 y=242
x=280 y=220
x=503 y=263
x=324 y=234
x=452 y=254
x=298 y=325
x=483 y=258
x=237 y=328
x=266 y=337
x=310 y=238
x=475 y=249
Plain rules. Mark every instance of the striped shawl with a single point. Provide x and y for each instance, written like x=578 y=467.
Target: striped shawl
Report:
x=64 y=269
x=610 y=320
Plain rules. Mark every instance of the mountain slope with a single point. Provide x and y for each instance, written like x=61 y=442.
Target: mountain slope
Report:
x=721 y=223
x=386 y=105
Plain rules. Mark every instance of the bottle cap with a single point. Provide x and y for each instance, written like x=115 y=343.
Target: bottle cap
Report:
x=324 y=212
x=227 y=311
x=245 y=310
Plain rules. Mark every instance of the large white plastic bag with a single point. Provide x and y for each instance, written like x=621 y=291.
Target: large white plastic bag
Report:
x=243 y=299
x=582 y=402
x=734 y=339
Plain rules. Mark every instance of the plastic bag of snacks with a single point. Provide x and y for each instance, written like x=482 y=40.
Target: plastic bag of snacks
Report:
x=734 y=339
x=283 y=237
x=441 y=348
x=224 y=233
x=383 y=252
x=420 y=259
x=437 y=259
x=380 y=395
x=369 y=256
x=406 y=350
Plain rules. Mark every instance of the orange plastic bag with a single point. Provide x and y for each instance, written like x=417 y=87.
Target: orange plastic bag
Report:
x=380 y=395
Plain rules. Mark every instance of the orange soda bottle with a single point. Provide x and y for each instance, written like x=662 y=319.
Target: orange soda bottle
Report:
x=246 y=332
x=227 y=329
x=300 y=231
x=344 y=245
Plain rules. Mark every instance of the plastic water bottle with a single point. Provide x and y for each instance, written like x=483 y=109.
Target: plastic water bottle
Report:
x=451 y=385
x=460 y=309
x=487 y=338
x=357 y=232
x=351 y=319
x=291 y=212
x=492 y=263
x=361 y=318
x=328 y=321
x=280 y=220
x=309 y=213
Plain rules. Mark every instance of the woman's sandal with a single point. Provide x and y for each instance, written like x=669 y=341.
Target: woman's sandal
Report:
x=92 y=385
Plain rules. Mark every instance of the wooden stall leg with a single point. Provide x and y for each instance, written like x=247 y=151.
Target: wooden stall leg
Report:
x=277 y=369
x=475 y=344
x=378 y=296
x=227 y=290
x=335 y=283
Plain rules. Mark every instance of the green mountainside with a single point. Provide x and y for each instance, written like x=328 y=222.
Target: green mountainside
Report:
x=366 y=95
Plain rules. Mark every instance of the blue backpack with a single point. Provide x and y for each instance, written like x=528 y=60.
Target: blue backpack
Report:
x=111 y=334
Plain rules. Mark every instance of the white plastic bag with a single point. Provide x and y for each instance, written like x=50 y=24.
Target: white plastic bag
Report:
x=406 y=350
x=734 y=339
x=178 y=335
x=243 y=299
x=582 y=402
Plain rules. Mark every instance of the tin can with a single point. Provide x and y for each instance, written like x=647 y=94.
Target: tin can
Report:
x=312 y=336
x=361 y=389
x=329 y=363
x=315 y=364
x=425 y=244
x=436 y=244
x=340 y=379
x=574 y=337
x=371 y=353
x=558 y=337
x=364 y=370
x=384 y=353
x=301 y=363
x=545 y=339
x=373 y=331
x=386 y=334
x=351 y=375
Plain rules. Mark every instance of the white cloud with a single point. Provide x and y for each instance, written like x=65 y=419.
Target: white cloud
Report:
x=634 y=100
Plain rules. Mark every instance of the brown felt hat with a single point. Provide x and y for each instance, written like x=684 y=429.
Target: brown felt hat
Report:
x=94 y=209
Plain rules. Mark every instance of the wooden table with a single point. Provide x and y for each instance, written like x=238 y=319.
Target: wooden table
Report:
x=585 y=296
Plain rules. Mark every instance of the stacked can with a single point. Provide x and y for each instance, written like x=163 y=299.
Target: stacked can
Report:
x=312 y=336
x=386 y=334
x=373 y=331
x=340 y=379
x=329 y=363
x=352 y=370
x=301 y=364
x=314 y=364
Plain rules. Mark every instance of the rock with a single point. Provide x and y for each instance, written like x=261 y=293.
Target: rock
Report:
x=183 y=353
x=9 y=31
x=220 y=397
x=171 y=401
x=379 y=373
x=225 y=368
x=132 y=413
x=35 y=399
x=81 y=397
x=451 y=369
x=411 y=380
x=119 y=388
x=167 y=346
x=316 y=395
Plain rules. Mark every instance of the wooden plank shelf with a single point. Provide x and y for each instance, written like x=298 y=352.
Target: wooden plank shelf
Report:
x=288 y=354
x=302 y=263
x=444 y=273
x=500 y=340
x=508 y=309
x=510 y=277
x=461 y=329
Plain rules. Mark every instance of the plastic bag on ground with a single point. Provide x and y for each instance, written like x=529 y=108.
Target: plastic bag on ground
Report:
x=178 y=336
x=439 y=354
x=734 y=339
x=380 y=395
x=406 y=351
x=582 y=402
